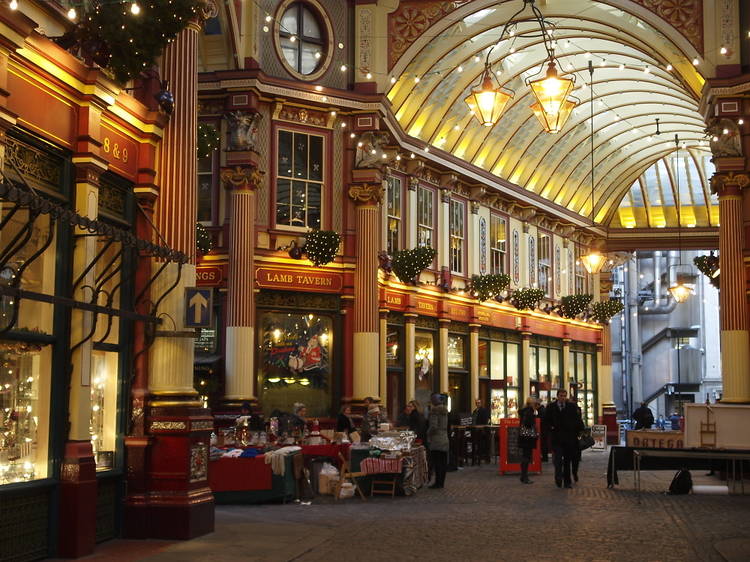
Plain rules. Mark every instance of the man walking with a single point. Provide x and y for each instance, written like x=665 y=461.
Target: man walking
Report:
x=564 y=423
x=644 y=417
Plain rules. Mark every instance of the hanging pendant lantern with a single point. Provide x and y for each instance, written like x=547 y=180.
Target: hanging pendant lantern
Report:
x=551 y=92
x=487 y=102
x=593 y=261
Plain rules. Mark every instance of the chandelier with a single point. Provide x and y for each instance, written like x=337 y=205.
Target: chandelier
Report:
x=551 y=91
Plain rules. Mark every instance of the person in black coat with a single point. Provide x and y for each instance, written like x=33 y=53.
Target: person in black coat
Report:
x=344 y=421
x=480 y=415
x=564 y=424
x=527 y=436
x=644 y=417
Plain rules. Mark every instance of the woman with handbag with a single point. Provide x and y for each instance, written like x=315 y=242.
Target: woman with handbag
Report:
x=527 y=436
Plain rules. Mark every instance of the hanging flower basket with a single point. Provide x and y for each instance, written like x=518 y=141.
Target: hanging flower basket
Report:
x=489 y=286
x=573 y=305
x=527 y=298
x=208 y=140
x=602 y=311
x=709 y=266
x=408 y=264
x=322 y=246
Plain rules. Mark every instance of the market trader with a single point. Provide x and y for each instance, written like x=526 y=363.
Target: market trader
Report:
x=564 y=423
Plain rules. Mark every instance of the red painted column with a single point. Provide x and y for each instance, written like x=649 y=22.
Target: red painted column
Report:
x=733 y=313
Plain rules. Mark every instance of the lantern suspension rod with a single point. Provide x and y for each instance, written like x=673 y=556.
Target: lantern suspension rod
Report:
x=591 y=96
x=539 y=18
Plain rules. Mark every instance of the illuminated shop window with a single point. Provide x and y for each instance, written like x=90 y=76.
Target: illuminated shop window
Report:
x=424 y=366
x=394 y=210
x=302 y=37
x=299 y=182
x=24 y=410
x=498 y=246
x=583 y=384
x=457 y=236
x=504 y=371
x=295 y=352
x=456 y=352
x=425 y=217
x=393 y=349
x=103 y=419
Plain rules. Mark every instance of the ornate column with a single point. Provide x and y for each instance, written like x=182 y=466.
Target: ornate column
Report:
x=411 y=212
x=607 y=411
x=180 y=502
x=242 y=183
x=524 y=385
x=367 y=198
x=443 y=353
x=565 y=375
x=383 y=373
x=474 y=362
x=733 y=314
x=410 y=352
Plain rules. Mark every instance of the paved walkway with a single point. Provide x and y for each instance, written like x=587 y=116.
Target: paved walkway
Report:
x=478 y=516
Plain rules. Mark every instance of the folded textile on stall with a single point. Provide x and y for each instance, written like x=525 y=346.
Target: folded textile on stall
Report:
x=250 y=453
x=232 y=453
x=378 y=466
x=276 y=458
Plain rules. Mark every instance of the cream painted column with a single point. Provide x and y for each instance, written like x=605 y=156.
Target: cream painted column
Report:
x=366 y=338
x=525 y=383
x=411 y=212
x=473 y=242
x=175 y=213
x=410 y=353
x=443 y=353
x=88 y=169
x=604 y=387
x=474 y=361
x=733 y=315
x=565 y=375
x=383 y=368
x=443 y=230
x=241 y=183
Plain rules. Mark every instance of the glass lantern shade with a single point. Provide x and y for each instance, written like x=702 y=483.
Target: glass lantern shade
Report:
x=553 y=122
x=552 y=90
x=680 y=292
x=683 y=285
x=487 y=103
x=593 y=261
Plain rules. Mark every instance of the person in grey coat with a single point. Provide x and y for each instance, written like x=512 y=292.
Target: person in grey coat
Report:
x=437 y=437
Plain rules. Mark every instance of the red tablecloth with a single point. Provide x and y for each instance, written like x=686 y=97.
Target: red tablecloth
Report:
x=239 y=474
x=329 y=450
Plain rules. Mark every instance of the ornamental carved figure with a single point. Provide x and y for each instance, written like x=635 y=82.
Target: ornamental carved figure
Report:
x=243 y=130
x=366 y=193
x=724 y=138
x=242 y=178
x=370 y=153
x=720 y=181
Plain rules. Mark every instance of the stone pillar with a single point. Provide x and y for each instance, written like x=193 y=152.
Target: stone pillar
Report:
x=733 y=314
x=367 y=198
x=474 y=363
x=443 y=231
x=411 y=212
x=180 y=502
x=565 y=376
x=443 y=353
x=241 y=182
x=383 y=380
x=524 y=385
x=410 y=353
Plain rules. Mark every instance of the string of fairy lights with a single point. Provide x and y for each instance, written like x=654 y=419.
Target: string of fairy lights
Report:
x=72 y=13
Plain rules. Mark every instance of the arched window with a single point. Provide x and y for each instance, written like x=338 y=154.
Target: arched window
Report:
x=302 y=37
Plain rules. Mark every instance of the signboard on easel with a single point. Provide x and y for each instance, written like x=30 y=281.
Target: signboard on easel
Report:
x=510 y=454
x=599 y=434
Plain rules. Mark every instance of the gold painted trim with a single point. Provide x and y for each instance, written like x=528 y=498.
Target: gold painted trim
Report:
x=173 y=403
x=167 y=425
x=191 y=392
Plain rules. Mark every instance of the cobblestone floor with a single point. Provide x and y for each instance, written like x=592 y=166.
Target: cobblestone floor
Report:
x=479 y=516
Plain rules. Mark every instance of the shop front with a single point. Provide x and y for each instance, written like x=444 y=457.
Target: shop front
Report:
x=545 y=366
x=500 y=372
x=394 y=361
x=583 y=380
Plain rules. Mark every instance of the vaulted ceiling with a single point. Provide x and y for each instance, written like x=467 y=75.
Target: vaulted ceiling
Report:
x=642 y=71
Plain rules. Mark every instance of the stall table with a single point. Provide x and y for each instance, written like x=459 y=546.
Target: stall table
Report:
x=412 y=476
x=250 y=480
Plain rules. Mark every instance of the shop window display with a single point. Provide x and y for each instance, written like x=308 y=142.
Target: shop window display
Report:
x=504 y=374
x=24 y=410
x=103 y=420
x=456 y=357
x=295 y=362
x=424 y=366
x=392 y=349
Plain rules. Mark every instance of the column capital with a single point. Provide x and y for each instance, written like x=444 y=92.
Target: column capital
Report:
x=242 y=178
x=728 y=184
x=366 y=193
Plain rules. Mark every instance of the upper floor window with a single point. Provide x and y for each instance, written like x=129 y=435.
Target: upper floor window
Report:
x=580 y=273
x=425 y=217
x=544 y=274
x=457 y=235
x=394 y=215
x=302 y=38
x=205 y=188
x=299 y=179
x=498 y=244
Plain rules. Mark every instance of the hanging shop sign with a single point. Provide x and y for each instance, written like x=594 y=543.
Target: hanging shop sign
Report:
x=293 y=279
x=210 y=276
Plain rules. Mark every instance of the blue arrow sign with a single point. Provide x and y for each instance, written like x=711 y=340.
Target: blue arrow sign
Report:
x=198 y=307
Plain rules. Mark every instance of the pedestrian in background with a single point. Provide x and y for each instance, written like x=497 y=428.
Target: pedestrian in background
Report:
x=644 y=417
x=437 y=437
x=527 y=436
x=564 y=423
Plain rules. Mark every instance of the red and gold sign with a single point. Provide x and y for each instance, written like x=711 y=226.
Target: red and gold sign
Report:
x=294 y=279
x=395 y=301
x=459 y=312
x=120 y=151
x=209 y=276
x=425 y=306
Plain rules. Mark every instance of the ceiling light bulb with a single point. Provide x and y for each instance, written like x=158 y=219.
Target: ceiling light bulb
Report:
x=368 y=75
x=398 y=157
x=476 y=58
x=460 y=68
x=268 y=18
x=412 y=156
x=318 y=88
x=72 y=13
x=696 y=62
x=265 y=29
x=426 y=148
x=13 y=4
x=293 y=38
x=341 y=45
x=622 y=66
x=352 y=135
x=456 y=127
x=343 y=124
x=416 y=79
x=333 y=114
x=135 y=9
x=647 y=70
x=669 y=68
x=587 y=55
x=343 y=68
x=317 y=54
x=725 y=132
x=723 y=50
x=602 y=62
x=393 y=79
x=740 y=121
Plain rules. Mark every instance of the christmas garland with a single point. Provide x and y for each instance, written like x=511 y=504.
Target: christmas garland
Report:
x=573 y=305
x=408 y=264
x=203 y=241
x=602 y=311
x=208 y=140
x=708 y=266
x=526 y=299
x=110 y=35
x=485 y=287
x=322 y=246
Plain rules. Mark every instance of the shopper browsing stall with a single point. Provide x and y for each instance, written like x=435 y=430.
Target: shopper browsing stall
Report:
x=437 y=437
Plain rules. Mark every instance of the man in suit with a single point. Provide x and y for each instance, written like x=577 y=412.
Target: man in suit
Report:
x=564 y=423
x=480 y=415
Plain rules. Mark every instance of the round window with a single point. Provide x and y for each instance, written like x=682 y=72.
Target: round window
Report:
x=303 y=37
